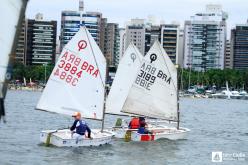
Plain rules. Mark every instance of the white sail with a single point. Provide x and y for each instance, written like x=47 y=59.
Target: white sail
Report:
x=154 y=92
x=229 y=93
x=24 y=81
x=124 y=77
x=77 y=82
x=10 y=13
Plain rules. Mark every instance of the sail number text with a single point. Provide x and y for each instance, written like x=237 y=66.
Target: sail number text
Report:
x=148 y=75
x=71 y=68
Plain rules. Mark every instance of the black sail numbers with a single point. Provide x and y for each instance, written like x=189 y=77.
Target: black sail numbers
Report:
x=149 y=74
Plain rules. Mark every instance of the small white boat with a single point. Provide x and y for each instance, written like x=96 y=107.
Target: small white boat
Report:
x=77 y=84
x=63 y=138
x=158 y=132
x=227 y=94
x=151 y=91
x=170 y=133
x=243 y=93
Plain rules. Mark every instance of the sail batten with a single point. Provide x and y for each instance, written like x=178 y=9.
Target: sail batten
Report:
x=125 y=75
x=154 y=91
x=78 y=80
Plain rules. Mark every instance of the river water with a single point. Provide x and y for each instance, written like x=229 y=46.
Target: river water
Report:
x=216 y=125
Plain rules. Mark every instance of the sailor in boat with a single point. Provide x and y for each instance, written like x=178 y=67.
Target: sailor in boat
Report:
x=142 y=120
x=134 y=123
x=142 y=129
x=79 y=127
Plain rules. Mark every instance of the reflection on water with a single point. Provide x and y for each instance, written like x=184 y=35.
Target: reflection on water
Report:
x=216 y=125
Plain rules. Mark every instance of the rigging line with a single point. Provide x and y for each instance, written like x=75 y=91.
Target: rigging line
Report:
x=167 y=66
x=103 y=83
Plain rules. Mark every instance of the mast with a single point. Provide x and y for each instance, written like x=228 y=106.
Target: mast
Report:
x=178 y=112
x=104 y=103
x=103 y=114
x=181 y=83
x=189 y=77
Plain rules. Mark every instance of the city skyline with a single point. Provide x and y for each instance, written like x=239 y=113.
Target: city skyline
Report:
x=116 y=12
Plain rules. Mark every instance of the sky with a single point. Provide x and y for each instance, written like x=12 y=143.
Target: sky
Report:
x=121 y=11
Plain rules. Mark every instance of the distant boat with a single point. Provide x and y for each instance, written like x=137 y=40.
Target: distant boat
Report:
x=77 y=84
x=192 y=90
x=243 y=92
x=24 y=81
x=227 y=94
x=153 y=93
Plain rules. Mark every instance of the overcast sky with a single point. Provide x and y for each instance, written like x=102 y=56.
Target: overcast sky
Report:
x=120 y=11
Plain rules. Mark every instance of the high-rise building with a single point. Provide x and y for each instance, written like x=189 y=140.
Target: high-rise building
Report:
x=153 y=33
x=20 y=54
x=92 y=21
x=70 y=24
x=103 y=33
x=111 y=46
x=170 y=40
x=122 y=34
x=180 y=48
x=135 y=32
x=72 y=20
x=205 y=37
x=239 y=46
x=228 y=57
x=106 y=35
x=41 y=41
x=81 y=5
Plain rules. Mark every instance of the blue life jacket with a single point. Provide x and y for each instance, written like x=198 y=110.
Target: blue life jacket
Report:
x=81 y=128
x=142 y=130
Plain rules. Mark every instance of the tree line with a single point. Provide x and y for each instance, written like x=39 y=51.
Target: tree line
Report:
x=35 y=72
x=236 y=79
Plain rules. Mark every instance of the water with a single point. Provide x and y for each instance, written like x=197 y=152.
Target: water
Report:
x=216 y=125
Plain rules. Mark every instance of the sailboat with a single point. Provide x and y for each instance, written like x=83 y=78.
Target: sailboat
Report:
x=154 y=94
x=77 y=84
x=227 y=94
x=15 y=10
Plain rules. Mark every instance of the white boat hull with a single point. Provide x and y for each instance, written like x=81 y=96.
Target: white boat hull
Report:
x=171 y=134
x=159 y=132
x=63 y=138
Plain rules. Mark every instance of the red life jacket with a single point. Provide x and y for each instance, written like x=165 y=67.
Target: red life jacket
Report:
x=134 y=124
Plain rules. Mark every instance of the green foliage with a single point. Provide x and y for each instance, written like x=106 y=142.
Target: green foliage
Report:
x=36 y=72
x=211 y=77
x=216 y=77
